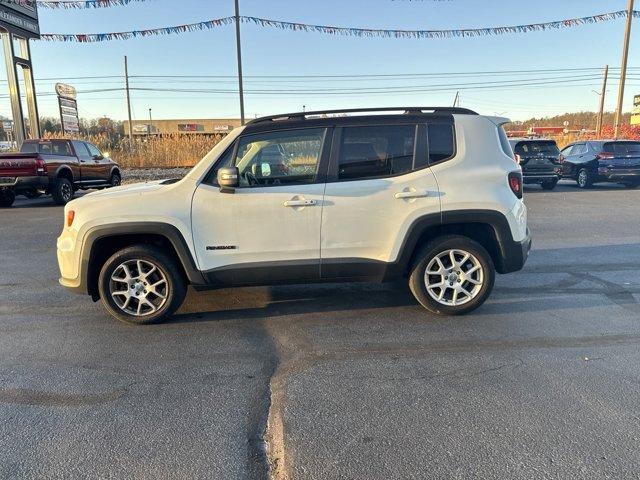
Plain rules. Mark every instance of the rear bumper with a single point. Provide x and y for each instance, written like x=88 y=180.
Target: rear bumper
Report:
x=631 y=175
x=28 y=183
x=540 y=177
x=515 y=254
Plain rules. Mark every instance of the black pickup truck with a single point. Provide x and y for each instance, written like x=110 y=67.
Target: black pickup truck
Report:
x=55 y=167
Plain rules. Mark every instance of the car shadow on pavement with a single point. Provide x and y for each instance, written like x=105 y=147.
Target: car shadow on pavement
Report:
x=570 y=186
x=264 y=302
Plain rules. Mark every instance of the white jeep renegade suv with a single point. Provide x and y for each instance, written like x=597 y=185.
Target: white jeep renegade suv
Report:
x=432 y=195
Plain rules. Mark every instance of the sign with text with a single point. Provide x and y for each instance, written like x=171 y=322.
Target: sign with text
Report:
x=635 y=115
x=68 y=108
x=20 y=17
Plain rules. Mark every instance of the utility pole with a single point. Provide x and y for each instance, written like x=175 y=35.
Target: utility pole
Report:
x=239 y=51
x=623 y=68
x=150 y=124
x=602 y=97
x=126 y=79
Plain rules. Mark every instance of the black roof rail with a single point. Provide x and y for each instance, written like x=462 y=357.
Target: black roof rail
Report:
x=405 y=110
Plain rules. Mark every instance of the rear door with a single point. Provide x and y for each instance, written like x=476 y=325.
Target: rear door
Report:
x=379 y=183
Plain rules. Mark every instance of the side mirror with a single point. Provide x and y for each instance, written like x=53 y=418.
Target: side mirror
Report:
x=228 y=179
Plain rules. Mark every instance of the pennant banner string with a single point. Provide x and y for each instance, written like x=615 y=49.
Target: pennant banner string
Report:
x=57 y=4
x=345 y=31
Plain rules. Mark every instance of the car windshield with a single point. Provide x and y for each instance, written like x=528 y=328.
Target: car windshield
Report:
x=537 y=148
x=623 y=148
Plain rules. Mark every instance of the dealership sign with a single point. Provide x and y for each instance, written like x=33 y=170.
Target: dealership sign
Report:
x=20 y=18
x=68 y=108
x=635 y=116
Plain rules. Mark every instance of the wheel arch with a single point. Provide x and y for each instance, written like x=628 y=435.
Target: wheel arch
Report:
x=103 y=241
x=489 y=228
x=64 y=172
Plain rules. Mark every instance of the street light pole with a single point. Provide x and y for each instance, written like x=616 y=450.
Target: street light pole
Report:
x=623 y=68
x=150 y=124
x=239 y=54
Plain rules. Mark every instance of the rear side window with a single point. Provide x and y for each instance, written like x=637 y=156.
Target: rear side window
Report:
x=504 y=142
x=623 y=148
x=442 y=144
x=53 y=147
x=376 y=151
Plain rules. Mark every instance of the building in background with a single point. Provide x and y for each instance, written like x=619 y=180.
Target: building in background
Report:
x=211 y=127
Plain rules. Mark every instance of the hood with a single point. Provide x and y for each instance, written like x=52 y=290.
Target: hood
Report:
x=132 y=189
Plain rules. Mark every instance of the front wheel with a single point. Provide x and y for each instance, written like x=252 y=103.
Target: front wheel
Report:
x=116 y=180
x=452 y=275
x=141 y=285
x=7 y=197
x=62 y=192
x=585 y=178
x=549 y=185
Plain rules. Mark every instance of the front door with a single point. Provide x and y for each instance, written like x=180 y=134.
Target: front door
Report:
x=88 y=167
x=268 y=230
x=102 y=164
x=379 y=183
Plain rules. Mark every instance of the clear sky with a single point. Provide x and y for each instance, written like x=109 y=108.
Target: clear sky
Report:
x=289 y=54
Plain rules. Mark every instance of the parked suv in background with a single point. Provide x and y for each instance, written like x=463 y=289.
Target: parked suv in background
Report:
x=595 y=161
x=55 y=167
x=432 y=195
x=540 y=160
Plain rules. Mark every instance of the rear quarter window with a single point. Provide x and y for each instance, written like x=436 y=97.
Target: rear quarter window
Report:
x=504 y=142
x=442 y=142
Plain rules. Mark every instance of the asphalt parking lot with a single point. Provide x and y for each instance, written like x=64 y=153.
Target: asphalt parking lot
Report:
x=357 y=381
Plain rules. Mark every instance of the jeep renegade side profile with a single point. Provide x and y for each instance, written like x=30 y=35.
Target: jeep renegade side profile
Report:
x=432 y=195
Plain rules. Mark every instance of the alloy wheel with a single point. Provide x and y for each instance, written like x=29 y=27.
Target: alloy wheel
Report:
x=454 y=277
x=138 y=287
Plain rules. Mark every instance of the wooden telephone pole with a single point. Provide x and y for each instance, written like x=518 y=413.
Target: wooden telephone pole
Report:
x=239 y=52
x=623 y=68
x=126 y=83
x=602 y=98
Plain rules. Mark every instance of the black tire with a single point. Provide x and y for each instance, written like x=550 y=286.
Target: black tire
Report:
x=175 y=292
x=585 y=178
x=549 y=185
x=417 y=280
x=116 y=180
x=7 y=197
x=31 y=194
x=62 y=191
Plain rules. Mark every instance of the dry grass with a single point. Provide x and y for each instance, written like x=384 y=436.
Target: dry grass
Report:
x=169 y=151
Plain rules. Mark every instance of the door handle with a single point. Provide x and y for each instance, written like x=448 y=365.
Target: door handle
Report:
x=412 y=194
x=300 y=203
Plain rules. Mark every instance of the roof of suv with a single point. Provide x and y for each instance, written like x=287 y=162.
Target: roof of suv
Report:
x=323 y=118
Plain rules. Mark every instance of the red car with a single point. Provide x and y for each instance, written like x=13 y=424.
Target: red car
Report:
x=57 y=168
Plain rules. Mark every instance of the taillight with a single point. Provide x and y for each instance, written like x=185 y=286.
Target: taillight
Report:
x=41 y=167
x=604 y=156
x=515 y=183
x=70 y=216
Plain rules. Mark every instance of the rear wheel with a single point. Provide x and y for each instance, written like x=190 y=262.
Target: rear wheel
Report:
x=141 y=285
x=7 y=197
x=549 y=185
x=62 y=192
x=452 y=275
x=585 y=178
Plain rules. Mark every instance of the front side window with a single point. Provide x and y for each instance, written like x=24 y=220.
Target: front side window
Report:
x=376 y=151
x=579 y=149
x=93 y=150
x=289 y=157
